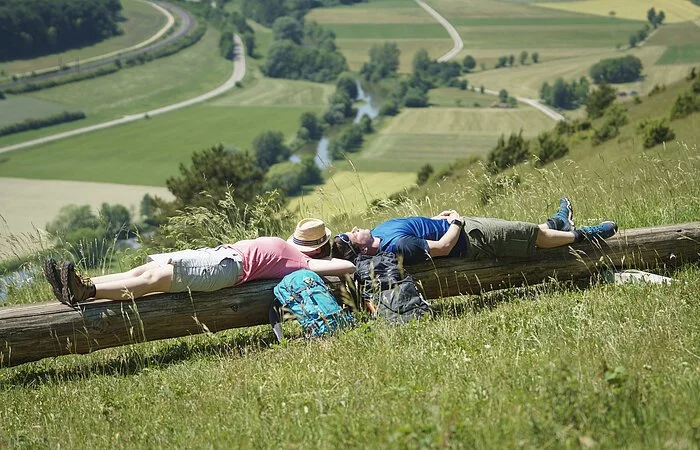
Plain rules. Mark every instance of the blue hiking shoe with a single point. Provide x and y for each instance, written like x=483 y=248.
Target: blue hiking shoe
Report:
x=563 y=220
x=603 y=230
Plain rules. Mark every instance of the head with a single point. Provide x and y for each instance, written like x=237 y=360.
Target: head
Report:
x=352 y=244
x=312 y=238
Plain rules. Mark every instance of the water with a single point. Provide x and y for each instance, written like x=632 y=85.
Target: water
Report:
x=14 y=279
x=322 y=159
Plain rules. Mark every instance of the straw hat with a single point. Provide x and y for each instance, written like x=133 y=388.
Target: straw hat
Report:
x=310 y=234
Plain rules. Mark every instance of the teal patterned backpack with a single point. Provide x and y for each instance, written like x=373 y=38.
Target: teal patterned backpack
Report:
x=306 y=295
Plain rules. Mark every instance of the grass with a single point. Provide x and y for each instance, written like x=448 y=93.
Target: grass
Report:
x=17 y=108
x=147 y=152
x=440 y=135
x=142 y=22
x=348 y=190
x=165 y=81
x=630 y=9
x=681 y=54
x=457 y=97
x=609 y=366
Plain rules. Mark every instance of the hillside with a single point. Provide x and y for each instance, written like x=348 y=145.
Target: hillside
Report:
x=553 y=366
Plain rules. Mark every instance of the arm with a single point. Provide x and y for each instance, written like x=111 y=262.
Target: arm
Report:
x=332 y=266
x=444 y=246
x=445 y=215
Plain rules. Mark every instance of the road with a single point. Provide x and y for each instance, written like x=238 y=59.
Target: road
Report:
x=187 y=24
x=459 y=45
x=237 y=75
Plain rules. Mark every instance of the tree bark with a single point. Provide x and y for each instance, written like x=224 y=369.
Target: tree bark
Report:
x=32 y=332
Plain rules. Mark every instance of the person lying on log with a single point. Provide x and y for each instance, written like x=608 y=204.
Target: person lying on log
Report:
x=450 y=234
x=205 y=269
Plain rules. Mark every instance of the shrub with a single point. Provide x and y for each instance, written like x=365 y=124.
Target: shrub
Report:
x=508 y=153
x=550 y=147
x=424 y=174
x=654 y=132
x=685 y=105
x=617 y=70
x=33 y=124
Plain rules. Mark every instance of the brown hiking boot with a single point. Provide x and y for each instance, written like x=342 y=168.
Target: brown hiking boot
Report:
x=75 y=288
x=53 y=276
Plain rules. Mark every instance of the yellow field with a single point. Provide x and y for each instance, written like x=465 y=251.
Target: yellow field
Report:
x=527 y=80
x=27 y=205
x=348 y=191
x=365 y=15
x=675 y=10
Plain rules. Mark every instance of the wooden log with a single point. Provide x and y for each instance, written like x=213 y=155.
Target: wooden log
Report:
x=32 y=332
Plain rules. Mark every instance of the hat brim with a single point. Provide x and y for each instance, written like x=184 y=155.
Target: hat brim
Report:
x=311 y=247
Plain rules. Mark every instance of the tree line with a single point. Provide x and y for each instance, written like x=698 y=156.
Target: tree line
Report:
x=29 y=28
x=34 y=124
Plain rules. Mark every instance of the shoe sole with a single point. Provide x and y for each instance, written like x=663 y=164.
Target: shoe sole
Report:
x=569 y=213
x=53 y=275
x=65 y=272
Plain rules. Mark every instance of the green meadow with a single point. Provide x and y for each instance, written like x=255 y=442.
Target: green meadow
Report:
x=17 y=108
x=142 y=22
x=553 y=366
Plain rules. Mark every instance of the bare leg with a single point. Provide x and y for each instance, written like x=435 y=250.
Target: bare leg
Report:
x=548 y=238
x=133 y=273
x=154 y=278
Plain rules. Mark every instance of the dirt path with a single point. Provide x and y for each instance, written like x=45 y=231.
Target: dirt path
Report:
x=237 y=75
x=459 y=45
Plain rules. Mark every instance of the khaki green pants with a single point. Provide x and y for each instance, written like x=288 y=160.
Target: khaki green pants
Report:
x=497 y=238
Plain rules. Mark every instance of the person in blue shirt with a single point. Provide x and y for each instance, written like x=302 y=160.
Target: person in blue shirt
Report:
x=416 y=239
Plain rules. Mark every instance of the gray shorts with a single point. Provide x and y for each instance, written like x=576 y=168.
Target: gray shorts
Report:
x=203 y=271
x=497 y=238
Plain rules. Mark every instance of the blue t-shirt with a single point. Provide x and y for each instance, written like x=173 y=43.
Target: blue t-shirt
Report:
x=408 y=236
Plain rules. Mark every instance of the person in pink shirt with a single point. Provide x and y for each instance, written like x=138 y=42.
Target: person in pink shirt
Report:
x=205 y=269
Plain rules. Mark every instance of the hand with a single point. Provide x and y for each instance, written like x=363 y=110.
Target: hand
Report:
x=448 y=215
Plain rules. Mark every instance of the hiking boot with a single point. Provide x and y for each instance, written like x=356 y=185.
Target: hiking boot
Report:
x=75 y=288
x=53 y=276
x=603 y=230
x=563 y=220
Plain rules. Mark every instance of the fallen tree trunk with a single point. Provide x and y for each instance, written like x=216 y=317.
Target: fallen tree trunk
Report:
x=32 y=332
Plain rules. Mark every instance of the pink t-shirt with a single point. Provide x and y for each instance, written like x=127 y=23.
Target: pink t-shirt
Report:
x=269 y=258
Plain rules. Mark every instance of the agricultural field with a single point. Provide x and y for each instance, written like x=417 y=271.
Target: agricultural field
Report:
x=28 y=205
x=142 y=22
x=188 y=73
x=349 y=190
x=17 y=108
x=676 y=11
x=441 y=135
x=360 y=26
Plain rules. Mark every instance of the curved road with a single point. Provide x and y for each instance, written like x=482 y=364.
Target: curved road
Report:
x=187 y=23
x=459 y=45
x=236 y=76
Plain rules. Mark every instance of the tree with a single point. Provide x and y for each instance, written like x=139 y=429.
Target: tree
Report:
x=424 y=174
x=508 y=153
x=313 y=126
x=599 y=100
x=651 y=16
x=685 y=105
x=421 y=62
x=264 y=11
x=660 y=18
x=383 y=62
x=523 y=57
x=655 y=131
x=116 y=219
x=535 y=57
x=511 y=60
x=550 y=147
x=617 y=70
x=348 y=84
x=269 y=148
x=249 y=42
x=415 y=98
x=286 y=27
x=215 y=171
x=633 y=39
x=501 y=62
x=366 y=124
x=469 y=63
x=503 y=96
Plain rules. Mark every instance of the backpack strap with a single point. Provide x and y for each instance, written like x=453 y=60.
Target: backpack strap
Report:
x=276 y=322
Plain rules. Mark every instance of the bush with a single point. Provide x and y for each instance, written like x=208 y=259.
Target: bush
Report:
x=617 y=70
x=34 y=124
x=389 y=107
x=599 y=100
x=508 y=154
x=550 y=147
x=655 y=132
x=685 y=105
x=424 y=174
x=614 y=118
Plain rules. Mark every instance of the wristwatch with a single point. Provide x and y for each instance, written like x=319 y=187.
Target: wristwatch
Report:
x=457 y=222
